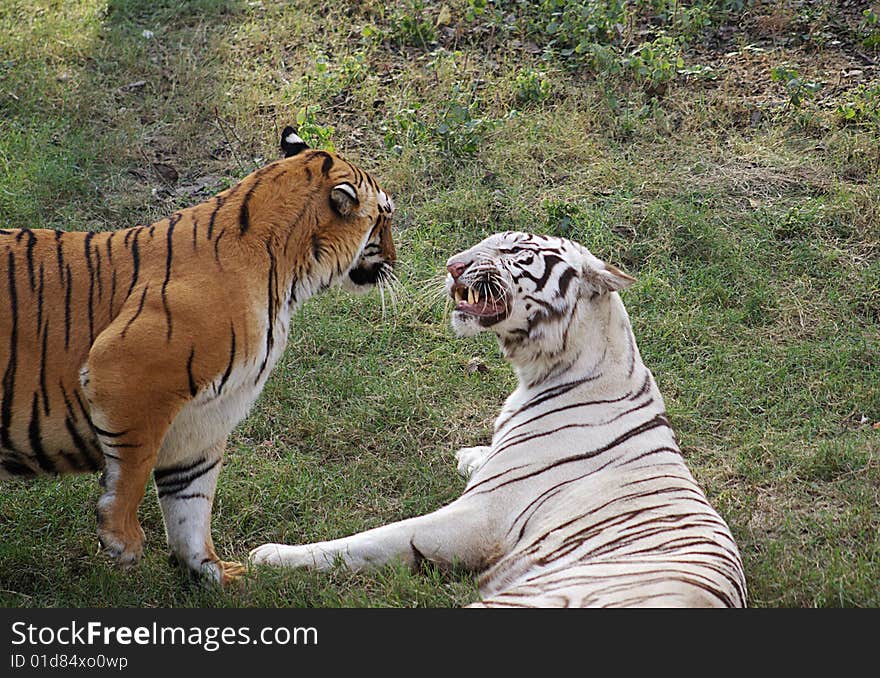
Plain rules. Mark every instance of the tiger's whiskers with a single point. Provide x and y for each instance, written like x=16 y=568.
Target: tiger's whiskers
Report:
x=388 y=280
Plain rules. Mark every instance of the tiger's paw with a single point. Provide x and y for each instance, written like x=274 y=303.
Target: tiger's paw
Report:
x=208 y=568
x=281 y=555
x=231 y=572
x=125 y=549
x=471 y=458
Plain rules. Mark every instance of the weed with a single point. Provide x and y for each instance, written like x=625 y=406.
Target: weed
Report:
x=328 y=78
x=796 y=87
x=531 y=87
x=456 y=128
x=311 y=131
x=655 y=64
x=411 y=24
x=870 y=26
x=861 y=107
x=574 y=26
x=460 y=129
x=562 y=217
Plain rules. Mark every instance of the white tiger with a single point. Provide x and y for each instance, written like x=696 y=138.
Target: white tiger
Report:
x=583 y=498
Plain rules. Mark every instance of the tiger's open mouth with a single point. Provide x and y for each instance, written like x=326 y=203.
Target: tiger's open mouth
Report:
x=483 y=301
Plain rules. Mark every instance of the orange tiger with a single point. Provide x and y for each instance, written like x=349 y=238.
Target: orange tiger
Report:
x=140 y=350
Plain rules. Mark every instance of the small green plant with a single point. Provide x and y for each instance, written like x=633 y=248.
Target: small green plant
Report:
x=330 y=78
x=370 y=34
x=412 y=24
x=870 y=24
x=862 y=108
x=459 y=131
x=813 y=23
x=797 y=88
x=531 y=86
x=404 y=129
x=561 y=217
x=312 y=132
x=456 y=129
x=655 y=64
x=605 y=60
x=689 y=22
x=575 y=26
x=475 y=9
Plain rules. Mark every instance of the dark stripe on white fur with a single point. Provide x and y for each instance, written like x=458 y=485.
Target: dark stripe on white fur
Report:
x=173 y=480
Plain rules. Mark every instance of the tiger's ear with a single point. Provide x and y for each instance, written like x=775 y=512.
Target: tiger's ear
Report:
x=344 y=198
x=605 y=278
x=291 y=142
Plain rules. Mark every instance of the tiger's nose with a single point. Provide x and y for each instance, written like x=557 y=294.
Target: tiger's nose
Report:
x=456 y=269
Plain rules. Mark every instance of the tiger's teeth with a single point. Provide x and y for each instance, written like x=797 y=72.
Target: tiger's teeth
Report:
x=476 y=296
x=471 y=299
x=458 y=294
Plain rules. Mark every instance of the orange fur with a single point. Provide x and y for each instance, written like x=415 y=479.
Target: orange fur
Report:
x=141 y=348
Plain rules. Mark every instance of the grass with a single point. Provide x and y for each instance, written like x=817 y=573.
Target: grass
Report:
x=746 y=206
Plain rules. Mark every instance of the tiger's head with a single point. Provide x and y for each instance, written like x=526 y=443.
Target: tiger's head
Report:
x=527 y=289
x=331 y=212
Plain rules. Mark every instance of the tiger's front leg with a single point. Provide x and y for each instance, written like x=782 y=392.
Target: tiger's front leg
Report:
x=186 y=495
x=471 y=458
x=457 y=534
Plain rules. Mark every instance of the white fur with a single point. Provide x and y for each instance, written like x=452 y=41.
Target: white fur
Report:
x=348 y=189
x=583 y=498
x=293 y=138
x=471 y=458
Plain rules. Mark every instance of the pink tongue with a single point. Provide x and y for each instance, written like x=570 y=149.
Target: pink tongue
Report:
x=480 y=308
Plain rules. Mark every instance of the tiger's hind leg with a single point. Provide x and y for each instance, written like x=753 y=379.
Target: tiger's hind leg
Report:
x=124 y=481
x=186 y=495
x=130 y=450
x=131 y=411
